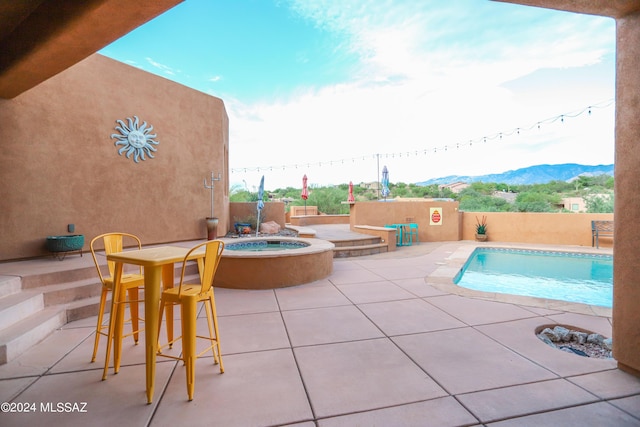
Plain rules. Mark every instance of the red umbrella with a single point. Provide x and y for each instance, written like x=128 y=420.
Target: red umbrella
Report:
x=305 y=192
x=351 y=199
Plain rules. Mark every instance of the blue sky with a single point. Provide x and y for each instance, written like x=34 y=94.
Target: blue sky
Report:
x=336 y=89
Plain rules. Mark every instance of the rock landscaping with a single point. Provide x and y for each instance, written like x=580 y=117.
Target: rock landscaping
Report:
x=584 y=344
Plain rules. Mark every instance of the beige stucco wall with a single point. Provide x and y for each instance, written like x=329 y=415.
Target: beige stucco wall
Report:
x=382 y=213
x=520 y=227
x=247 y=212
x=530 y=227
x=626 y=261
x=59 y=165
x=310 y=220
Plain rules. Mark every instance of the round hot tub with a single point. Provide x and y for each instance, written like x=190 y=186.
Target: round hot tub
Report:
x=268 y=262
x=265 y=245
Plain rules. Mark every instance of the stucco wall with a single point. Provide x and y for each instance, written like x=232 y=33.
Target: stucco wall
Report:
x=520 y=227
x=543 y=228
x=382 y=213
x=59 y=165
x=309 y=220
x=626 y=263
x=247 y=212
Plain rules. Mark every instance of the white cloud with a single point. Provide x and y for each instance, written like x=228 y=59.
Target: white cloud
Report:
x=431 y=75
x=164 y=69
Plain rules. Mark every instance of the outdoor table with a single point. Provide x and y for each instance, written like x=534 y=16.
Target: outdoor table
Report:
x=158 y=263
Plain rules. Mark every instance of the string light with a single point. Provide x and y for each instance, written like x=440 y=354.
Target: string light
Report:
x=484 y=139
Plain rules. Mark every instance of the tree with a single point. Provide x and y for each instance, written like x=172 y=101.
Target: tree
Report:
x=599 y=203
x=329 y=200
x=473 y=201
x=240 y=194
x=537 y=202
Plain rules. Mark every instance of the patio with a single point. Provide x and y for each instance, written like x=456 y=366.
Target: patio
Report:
x=376 y=343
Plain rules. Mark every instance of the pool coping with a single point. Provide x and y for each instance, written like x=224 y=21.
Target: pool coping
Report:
x=442 y=279
x=315 y=246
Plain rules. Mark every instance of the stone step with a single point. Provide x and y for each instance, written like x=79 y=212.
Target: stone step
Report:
x=20 y=336
x=31 y=315
x=68 y=292
x=356 y=242
x=359 y=250
x=86 y=307
x=59 y=277
x=9 y=285
x=19 y=306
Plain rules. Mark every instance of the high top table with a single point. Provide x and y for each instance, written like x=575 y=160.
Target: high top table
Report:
x=158 y=263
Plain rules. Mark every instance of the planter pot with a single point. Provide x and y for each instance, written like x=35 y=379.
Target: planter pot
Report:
x=242 y=227
x=481 y=237
x=212 y=228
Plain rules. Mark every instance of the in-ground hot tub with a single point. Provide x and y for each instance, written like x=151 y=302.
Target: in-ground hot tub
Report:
x=273 y=262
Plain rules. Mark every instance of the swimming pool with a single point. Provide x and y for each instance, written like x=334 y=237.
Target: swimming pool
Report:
x=566 y=276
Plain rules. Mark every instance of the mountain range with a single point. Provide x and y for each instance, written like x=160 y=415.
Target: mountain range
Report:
x=539 y=174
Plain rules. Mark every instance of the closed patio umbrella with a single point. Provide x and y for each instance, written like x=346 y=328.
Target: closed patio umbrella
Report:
x=260 y=202
x=305 y=192
x=351 y=199
x=385 y=182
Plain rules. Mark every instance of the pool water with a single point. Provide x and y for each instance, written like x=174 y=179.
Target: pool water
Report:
x=581 y=278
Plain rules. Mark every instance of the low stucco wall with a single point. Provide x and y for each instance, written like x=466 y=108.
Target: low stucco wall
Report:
x=309 y=220
x=247 y=212
x=530 y=227
x=386 y=235
x=419 y=212
x=517 y=227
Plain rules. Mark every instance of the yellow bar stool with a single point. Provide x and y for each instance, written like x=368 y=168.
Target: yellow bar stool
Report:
x=130 y=283
x=188 y=296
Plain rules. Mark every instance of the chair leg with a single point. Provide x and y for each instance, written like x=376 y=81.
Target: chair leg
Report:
x=113 y=320
x=119 y=330
x=110 y=332
x=162 y=304
x=213 y=338
x=134 y=310
x=189 y=315
x=214 y=316
x=103 y=303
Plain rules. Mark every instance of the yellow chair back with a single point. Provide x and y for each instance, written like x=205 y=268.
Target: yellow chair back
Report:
x=207 y=266
x=113 y=242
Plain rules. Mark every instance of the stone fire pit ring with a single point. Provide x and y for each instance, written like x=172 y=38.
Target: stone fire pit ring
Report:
x=59 y=246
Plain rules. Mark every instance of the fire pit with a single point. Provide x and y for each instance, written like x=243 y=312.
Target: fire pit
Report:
x=61 y=245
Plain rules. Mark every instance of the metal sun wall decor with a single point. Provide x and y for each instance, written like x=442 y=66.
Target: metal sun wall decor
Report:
x=135 y=139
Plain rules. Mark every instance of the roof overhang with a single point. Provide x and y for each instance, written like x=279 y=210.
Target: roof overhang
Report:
x=610 y=8
x=41 y=38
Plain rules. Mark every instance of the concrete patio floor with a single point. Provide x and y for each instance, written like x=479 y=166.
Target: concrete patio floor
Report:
x=382 y=341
